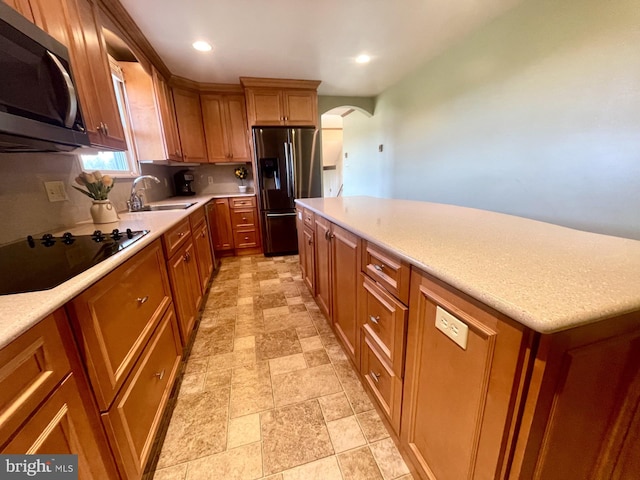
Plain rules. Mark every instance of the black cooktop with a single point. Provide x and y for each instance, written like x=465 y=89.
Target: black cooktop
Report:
x=42 y=263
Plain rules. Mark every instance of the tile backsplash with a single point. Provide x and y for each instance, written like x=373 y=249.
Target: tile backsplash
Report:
x=26 y=210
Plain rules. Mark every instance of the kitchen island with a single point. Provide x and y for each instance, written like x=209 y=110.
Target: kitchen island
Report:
x=495 y=346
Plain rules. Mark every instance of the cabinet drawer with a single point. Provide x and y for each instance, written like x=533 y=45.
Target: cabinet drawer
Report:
x=388 y=270
x=385 y=320
x=176 y=237
x=131 y=423
x=245 y=238
x=196 y=218
x=238 y=202
x=384 y=384
x=243 y=218
x=308 y=218
x=114 y=319
x=30 y=368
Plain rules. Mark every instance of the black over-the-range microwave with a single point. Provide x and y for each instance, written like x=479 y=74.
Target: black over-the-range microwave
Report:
x=39 y=107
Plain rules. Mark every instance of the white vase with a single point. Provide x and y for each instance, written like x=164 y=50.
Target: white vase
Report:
x=242 y=188
x=103 y=211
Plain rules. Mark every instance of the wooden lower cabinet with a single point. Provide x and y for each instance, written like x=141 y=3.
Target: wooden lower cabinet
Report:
x=202 y=246
x=457 y=408
x=220 y=221
x=345 y=256
x=61 y=426
x=114 y=319
x=581 y=418
x=308 y=258
x=133 y=420
x=185 y=284
x=322 y=230
x=46 y=406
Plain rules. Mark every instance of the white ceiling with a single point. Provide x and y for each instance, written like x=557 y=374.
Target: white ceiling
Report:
x=304 y=39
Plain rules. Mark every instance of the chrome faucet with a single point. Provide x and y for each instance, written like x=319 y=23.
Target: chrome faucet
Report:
x=136 y=202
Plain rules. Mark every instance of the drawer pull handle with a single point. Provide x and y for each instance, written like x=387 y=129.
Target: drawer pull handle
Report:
x=181 y=234
x=374 y=376
x=244 y=218
x=142 y=300
x=186 y=257
x=246 y=238
x=203 y=234
x=378 y=267
x=375 y=319
x=160 y=375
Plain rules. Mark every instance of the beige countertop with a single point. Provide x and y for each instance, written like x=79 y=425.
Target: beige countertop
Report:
x=21 y=311
x=547 y=277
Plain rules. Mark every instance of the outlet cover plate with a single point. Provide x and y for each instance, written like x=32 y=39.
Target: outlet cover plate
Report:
x=453 y=328
x=56 y=191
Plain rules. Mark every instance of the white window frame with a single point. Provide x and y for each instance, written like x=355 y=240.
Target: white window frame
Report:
x=120 y=91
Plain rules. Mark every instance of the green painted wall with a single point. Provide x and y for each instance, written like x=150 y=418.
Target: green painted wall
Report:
x=536 y=114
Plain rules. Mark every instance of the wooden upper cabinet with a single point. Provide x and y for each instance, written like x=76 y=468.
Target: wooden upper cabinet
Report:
x=167 y=111
x=155 y=134
x=75 y=24
x=22 y=7
x=225 y=127
x=190 y=128
x=281 y=102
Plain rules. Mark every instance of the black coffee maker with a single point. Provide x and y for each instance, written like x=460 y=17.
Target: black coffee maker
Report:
x=182 y=181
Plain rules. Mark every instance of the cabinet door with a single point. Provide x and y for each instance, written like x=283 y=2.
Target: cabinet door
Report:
x=300 y=107
x=22 y=7
x=237 y=130
x=62 y=426
x=203 y=252
x=185 y=284
x=133 y=420
x=74 y=23
x=345 y=252
x=323 y=264
x=308 y=255
x=457 y=402
x=220 y=220
x=265 y=107
x=164 y=102
x=214 y=129
x=190 y=128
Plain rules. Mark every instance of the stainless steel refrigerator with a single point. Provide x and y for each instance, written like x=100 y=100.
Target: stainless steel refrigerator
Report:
x=289 y=167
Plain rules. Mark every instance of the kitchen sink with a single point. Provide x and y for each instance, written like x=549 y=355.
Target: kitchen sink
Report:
x=167 y=206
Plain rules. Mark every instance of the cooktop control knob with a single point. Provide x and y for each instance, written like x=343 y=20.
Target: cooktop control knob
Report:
x=67 y=238
x=48 y=240
x=129 y=233
x=97 y=236
x=115 y=234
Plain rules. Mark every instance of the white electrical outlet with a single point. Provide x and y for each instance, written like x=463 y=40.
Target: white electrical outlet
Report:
x=453 y=328
x=56 y=191
x=210 y=180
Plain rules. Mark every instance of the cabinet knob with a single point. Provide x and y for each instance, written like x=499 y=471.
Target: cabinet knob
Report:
x=378 y=267
x=181 y=234
x=159 y=375
x=203 y=234
x=244 y=219
x=375 y=319
x=374 y=376
x=142 y=300
x=246 y=238
x=106 y=129
x=186 y=257
x=310 y=241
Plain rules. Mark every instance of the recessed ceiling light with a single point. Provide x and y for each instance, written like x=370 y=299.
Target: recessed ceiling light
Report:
x=363 y=58
x=202 y=46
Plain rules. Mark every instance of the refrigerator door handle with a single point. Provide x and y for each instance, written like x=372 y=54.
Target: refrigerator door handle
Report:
x=290 y=214
x=290 y=162
x=295 y=193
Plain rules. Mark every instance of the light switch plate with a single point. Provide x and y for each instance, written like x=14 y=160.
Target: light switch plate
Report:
x=453 y=328
x=55 y=191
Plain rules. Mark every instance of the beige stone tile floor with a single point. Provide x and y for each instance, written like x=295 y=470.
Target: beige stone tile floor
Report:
x=268 y=392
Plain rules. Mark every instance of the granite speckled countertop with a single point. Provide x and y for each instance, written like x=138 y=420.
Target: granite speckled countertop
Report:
x=21 y=311
x=547 y=277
